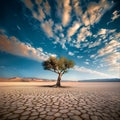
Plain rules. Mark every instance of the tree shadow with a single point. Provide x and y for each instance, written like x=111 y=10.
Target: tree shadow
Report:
x=54 y=86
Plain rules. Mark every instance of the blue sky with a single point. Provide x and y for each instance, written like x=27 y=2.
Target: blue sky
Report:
x=86 y=31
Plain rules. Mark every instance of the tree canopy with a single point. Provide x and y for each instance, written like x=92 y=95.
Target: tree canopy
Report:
x=59 y=66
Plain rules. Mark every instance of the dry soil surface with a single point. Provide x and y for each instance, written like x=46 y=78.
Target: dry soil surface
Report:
x=75 y=101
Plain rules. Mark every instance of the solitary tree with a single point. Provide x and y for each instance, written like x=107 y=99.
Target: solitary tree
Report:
x=59 y=66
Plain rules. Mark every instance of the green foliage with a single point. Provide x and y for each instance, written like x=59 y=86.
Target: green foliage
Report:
x=59 y=66
x=51 y=63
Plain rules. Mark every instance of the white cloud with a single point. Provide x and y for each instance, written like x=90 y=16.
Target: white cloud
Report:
x=58 y=28
x=59 y=8
x=86 y=70
x=113 y=62
x=50 y=54
x=97 y=10
x=47 y=27
x=29 y=4
x=47 y=8
x=77 y=8
x=57 y=40
x=109 y=48
x=117 y=36
x=79 y=57
x=94 y=12
x=84 y=32
x=38 y=1
x=85 y=19
x=87 y=63
x=66 y=12
x=70 y=53
x=61 y=35
x=62 y=42
x=41 y=16
x=116 y=14
x=94 y=44
x=77 y=45
x=92 y=56
x=13 y=46
x=102 y=31
x=72 y=30
x=110 y=55
x=106 y=35
x=63 y=10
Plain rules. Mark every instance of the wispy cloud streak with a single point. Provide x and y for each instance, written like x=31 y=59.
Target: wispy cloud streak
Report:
x=47 y=27
x=72 y=30
x=13 y=46
x=86 y=70
x=66 y=12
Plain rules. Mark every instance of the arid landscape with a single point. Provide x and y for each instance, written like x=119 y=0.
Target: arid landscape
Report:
x=73 y=101
x=59 y=59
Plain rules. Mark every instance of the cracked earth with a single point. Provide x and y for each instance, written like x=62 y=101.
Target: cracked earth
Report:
x=85 y=101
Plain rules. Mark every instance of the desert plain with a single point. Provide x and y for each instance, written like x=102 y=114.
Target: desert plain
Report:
x=73 y=101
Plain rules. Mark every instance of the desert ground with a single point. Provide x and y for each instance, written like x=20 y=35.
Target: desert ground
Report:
x=74 y=101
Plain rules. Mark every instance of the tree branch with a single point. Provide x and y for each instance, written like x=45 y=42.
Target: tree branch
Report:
x=64 y=71
x=52 y=70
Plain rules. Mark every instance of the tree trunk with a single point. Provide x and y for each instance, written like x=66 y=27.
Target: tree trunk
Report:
x=58 y=84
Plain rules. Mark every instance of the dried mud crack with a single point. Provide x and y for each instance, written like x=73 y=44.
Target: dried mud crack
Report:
x=44 y=103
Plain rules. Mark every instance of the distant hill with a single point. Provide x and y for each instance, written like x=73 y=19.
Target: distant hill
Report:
x=18 y=79
x=101 y=80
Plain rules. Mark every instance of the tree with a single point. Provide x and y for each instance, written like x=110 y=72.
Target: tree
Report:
x=59 y=66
